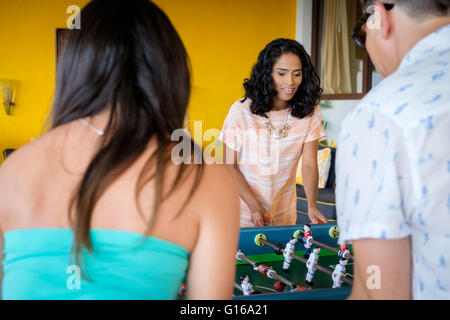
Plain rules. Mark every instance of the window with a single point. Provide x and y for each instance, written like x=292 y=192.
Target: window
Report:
x=345 y=70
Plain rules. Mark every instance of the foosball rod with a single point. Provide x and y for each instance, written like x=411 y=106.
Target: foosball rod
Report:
x=237 y=287
x=325 y=246
x=275 y=276
x=319 y=267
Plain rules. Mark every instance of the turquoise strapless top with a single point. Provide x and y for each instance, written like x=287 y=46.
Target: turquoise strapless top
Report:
x=37 y=264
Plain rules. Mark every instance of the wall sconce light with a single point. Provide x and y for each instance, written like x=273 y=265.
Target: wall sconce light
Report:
x=9 y=89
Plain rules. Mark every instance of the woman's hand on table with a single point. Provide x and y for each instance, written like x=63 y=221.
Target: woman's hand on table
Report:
x=260 y=216
x=316 y=216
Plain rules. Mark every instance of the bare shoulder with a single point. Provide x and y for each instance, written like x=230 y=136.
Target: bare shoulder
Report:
x=218 y=188
x=27 y=157
x=19 y=172
x=15 y=167
x=218 y=177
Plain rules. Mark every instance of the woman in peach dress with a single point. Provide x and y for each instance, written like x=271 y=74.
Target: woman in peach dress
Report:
x=267 y=131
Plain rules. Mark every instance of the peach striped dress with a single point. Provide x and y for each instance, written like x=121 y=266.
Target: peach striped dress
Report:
x=267 y=163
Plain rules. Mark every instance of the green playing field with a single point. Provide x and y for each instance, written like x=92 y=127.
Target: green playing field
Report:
x=297 y=273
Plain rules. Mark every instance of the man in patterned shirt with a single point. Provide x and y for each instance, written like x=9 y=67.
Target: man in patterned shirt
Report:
x=393 y=158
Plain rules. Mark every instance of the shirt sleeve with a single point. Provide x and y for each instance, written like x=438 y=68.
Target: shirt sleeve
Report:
x=372 y=178
x=232 y=130
x=316 y=130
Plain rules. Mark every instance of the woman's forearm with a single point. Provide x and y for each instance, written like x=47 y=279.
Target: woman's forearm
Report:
x=245 y=192
x=310 y=174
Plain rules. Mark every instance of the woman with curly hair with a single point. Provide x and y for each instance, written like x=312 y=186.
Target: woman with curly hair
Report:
x=266 y=132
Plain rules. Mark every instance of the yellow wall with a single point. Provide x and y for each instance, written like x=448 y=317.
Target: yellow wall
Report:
x=222 y=37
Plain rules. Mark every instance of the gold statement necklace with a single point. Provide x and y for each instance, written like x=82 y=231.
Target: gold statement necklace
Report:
x=277 y=133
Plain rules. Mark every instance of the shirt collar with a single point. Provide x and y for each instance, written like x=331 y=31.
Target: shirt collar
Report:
x=437 y=40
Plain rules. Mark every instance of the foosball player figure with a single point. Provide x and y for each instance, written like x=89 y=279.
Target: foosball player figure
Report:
x=271 y=274
x=344 y=251
x=297 y=288
x=261 y=268
x=339 y=273
x=268 y=272
x=182 y=290
x=290 y=248
x=247 y=287
x=311 y=264
x=307 y=240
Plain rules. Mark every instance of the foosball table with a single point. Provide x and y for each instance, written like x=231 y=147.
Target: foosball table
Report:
x=299 y=262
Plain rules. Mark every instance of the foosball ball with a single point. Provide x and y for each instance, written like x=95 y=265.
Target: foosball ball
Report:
x=300 y=262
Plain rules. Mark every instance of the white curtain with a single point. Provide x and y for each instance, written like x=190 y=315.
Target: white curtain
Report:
x=338 y=63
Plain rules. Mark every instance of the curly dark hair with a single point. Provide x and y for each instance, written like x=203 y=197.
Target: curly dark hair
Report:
x=260 y=87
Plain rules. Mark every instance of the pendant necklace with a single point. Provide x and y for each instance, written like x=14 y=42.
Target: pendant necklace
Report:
x=277 y=133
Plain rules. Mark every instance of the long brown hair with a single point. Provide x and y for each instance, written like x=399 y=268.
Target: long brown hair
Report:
x=127 y=57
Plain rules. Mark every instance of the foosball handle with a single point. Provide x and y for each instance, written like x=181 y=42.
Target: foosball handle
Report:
x=298 y=235
x=258 y=237
x=278 y=249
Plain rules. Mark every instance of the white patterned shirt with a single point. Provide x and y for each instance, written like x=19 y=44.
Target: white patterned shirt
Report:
x=393 y=164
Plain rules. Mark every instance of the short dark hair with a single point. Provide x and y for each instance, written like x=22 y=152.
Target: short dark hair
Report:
x=418 y=8
x=260 y=87
x=242 y=277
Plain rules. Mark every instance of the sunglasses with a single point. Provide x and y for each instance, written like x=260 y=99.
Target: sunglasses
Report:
x=359 y=35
